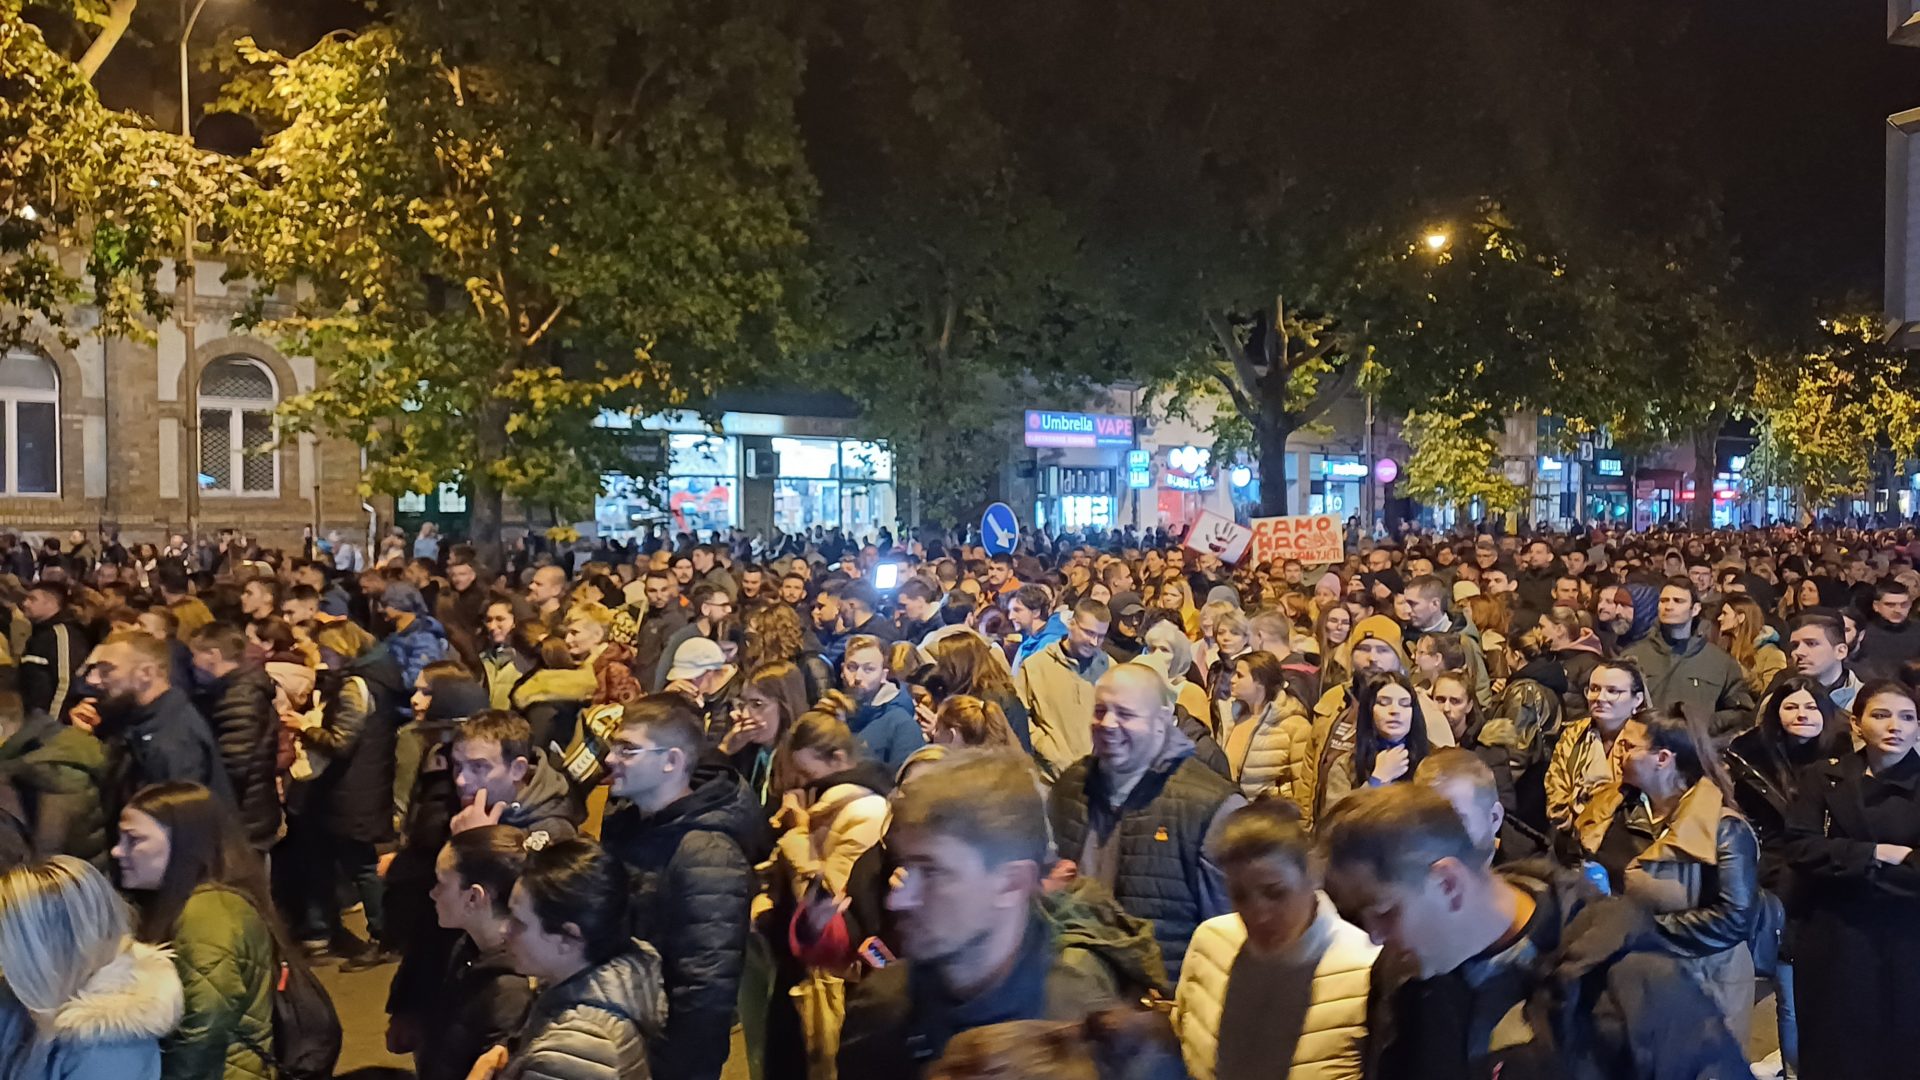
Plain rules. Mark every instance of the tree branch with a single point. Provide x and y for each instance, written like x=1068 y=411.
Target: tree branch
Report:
x=1240 y=399
x=1237 y=356
x=1329 y=391
x=119 y=17
x=545 y=324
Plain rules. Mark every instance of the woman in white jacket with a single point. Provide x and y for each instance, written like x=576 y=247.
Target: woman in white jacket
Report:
x=1282 y=982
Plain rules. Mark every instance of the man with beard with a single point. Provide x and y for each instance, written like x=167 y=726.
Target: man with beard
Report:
x=666 y=615
x=1056 y=686
x=151 y=729
x=883 y=718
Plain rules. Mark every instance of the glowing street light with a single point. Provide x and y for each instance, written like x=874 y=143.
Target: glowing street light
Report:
x=1437 y=240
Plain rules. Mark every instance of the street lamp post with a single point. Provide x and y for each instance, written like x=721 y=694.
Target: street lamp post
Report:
x=189 y=319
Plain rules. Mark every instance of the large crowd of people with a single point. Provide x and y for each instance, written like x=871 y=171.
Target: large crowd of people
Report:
x=1565 y=805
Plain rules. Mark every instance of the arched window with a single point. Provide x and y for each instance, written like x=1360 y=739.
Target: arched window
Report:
x=29 y=425
x=237 y=456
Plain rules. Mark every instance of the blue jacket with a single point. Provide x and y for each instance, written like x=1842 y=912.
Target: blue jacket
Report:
x=1054 y=630
x=889 y=730
x=423 y=642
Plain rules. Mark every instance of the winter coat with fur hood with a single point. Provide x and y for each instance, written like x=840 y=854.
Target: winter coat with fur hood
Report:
x=109 y=1030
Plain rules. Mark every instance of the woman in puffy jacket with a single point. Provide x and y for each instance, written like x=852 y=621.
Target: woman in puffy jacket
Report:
x=80 y=1000
x=200 y=889
x=1272 y=733
x=1679 y=845
x=602 y=1006
x=1279 y=987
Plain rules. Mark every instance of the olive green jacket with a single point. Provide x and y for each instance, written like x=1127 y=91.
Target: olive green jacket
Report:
x=224 y=955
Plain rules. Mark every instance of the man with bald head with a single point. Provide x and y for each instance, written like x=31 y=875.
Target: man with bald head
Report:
x=547 y=595
x=1136 y=814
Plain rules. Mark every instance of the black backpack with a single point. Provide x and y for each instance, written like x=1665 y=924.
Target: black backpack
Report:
x=306 y=1029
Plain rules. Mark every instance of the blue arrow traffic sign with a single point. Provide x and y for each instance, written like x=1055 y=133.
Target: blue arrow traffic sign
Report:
x=999 y=530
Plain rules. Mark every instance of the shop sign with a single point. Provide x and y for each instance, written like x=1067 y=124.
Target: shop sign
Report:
x=1139 y=469
x=1610 y=466
x=1212 y=534
x=1310 y=538
x=1189 y=468
x=1078 y=430
x=1343 y=470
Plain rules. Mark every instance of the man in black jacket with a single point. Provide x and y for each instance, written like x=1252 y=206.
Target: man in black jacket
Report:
x=151 y=730
x=1523 y=974
x=689 y=835
x=56 y=647
x=1890 y=636
x=236 y=697
x=666 y=614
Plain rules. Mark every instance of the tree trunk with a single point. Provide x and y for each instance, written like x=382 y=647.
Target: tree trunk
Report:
x=483 y=521
x=484 y=511
x=1271 y=444
x=1706 y=441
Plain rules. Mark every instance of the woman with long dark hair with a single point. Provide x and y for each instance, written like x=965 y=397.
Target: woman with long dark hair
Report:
x=966 y=664
x=1799 y=727
x=1678 y=844
x=1852 y=834
x=199 y=888
x=1390 y=731
x=771 y=699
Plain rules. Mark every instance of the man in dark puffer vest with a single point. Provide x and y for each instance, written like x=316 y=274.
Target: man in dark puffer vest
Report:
x=1138 y=813
x=689 y=835
x=236 y=696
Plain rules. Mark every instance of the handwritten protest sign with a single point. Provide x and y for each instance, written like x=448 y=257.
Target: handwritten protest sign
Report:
x=1312 y=539
x=1212 y=534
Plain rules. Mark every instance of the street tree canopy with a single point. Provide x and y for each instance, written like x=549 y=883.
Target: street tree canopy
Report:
x=91 y=199
x=507 y=218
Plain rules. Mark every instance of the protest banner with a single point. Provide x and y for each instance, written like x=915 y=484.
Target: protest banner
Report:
x=1314 y=539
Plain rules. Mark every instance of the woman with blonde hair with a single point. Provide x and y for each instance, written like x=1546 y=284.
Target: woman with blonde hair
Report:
x=1756 y=646
x=965 y=720
x=1177 y=597
x=587 y=633
x=83 y=999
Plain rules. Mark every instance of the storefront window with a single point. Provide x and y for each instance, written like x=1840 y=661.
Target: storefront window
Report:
x=701 y=488
x=833 y=482
x=808 y=459
x=802 y=504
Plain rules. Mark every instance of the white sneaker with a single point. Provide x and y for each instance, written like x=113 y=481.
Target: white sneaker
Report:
x=1769 y=1067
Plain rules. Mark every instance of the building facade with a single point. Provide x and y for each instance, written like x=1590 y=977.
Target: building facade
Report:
x=115 y=434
